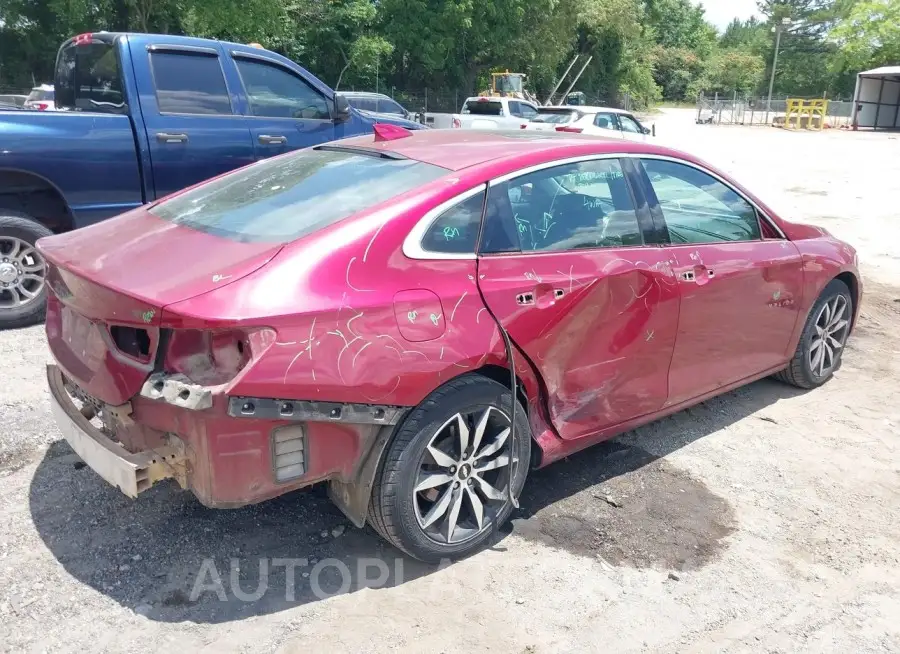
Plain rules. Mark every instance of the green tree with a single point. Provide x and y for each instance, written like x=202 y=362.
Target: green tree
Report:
x=869 y=35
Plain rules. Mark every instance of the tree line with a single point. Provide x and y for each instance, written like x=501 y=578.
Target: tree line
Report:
x=650 y=49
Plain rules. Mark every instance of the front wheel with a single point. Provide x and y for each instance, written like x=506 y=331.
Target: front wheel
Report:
x=23 y=292
x=444 y=483
x=822 y=342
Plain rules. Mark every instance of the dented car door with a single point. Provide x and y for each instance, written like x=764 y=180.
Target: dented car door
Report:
x=569 y=268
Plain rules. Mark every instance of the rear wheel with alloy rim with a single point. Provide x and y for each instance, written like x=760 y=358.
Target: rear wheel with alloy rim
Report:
x=444 y=483
x=23 y=272
x=822 y=342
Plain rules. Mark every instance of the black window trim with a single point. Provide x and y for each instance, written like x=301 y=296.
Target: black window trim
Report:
x=412 y=244
x=190 y=51
x=650 y=192
x=252 y=56
x=644 y=220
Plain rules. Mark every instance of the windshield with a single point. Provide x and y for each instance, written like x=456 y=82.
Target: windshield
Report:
x=279 y=200
x=483 y=108
x=557 y=117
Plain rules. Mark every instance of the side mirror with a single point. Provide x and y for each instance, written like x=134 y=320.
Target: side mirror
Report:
x=341 y=109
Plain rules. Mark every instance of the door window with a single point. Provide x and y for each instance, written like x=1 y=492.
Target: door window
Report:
x=276 y=93
x=568 y=207
x=527 y=111
x=606 y=121
x=515 y=109
x=629 y=124
x=189 y=83
x=456 y=230
x=386 y=106
x=699 y=208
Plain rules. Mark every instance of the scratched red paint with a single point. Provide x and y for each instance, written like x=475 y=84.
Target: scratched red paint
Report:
x=614 y=339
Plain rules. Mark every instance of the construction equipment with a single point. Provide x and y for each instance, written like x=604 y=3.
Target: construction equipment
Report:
x=508 y=85
x=559 y=82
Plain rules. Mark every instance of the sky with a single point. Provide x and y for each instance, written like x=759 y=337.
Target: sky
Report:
x=721 y=12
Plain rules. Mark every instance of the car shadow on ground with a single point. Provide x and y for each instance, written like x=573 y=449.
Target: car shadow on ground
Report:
x=169 y=558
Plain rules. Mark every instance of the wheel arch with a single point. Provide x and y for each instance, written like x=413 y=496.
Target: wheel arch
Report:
x=35 y=197
x=852 y=283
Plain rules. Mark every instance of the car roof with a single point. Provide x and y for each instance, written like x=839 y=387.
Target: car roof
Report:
x=364 y=94
x=456 y=149
x=587 y=109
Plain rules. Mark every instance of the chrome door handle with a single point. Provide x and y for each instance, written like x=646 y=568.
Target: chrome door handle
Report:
x=166 y=137
x=267 y=139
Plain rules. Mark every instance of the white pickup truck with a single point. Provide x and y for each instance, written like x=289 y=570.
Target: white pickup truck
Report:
x=483 y=112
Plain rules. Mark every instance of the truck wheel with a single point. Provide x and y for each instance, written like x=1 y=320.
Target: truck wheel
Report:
x=443 y=485
x=23 y=291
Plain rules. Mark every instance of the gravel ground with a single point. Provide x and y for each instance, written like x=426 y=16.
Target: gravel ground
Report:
x=764 y=520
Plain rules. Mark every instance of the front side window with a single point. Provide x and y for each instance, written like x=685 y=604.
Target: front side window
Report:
x=189 y=83
x=629 y=124
x=279 y=200
x=455 y=231
x=276 y=93
x=568 y=207
x=699 y=208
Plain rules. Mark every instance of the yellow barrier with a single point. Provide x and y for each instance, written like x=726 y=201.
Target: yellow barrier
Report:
x=809 y=114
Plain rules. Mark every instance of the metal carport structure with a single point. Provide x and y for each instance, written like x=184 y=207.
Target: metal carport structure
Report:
x=876 y=101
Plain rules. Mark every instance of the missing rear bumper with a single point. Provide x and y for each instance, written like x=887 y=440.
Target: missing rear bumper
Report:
x=131 y=473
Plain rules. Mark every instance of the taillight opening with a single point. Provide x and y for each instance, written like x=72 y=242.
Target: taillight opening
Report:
x=133 y=341
x=215 y=357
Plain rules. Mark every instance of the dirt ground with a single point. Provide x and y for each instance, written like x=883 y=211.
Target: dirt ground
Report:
x=765 y=520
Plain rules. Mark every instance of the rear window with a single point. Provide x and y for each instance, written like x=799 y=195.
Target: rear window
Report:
x=557 y=117
x=483 y=108
x=89 y=78
x=38 y=95
x=279 y=200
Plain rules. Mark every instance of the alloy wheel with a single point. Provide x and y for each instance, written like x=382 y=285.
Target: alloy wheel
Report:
x=831 y=330
x=463 y=476
x=22 y=272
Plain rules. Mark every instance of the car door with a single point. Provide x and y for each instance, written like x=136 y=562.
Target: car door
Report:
x=192 y=129
x=631 y=129
x=568 y=267
x=740 y=291
x=285 y=112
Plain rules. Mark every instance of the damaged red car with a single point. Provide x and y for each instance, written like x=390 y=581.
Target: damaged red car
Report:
x=419 y=319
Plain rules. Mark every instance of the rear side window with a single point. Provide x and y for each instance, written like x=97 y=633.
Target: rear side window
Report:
x=89 y=78
x=483 y=108
x=277 y=93
x=606 y=121
x=279 y=200
x=456 y=230
x=189 y=83
x=386 y=106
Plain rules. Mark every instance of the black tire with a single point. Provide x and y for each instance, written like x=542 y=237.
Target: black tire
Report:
x=799 y=372
x=391 y=508
x=21 y=226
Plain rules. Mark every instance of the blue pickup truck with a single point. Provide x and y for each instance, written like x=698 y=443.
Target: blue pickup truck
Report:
x=141 y=116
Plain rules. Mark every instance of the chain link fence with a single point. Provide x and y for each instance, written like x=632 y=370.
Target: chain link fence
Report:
x=735 y=109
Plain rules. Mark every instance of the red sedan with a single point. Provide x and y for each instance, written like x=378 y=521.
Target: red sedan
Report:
x=418 y=319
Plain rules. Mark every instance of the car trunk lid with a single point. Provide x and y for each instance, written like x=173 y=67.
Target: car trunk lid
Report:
x=105 y=337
